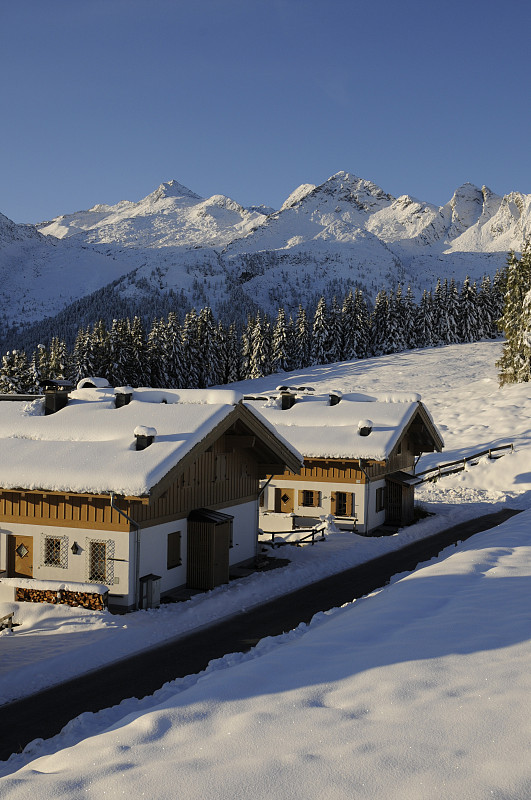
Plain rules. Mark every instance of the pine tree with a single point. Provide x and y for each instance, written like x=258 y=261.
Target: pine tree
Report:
x=334 y=344
x=424 y=323
x=246 y=348
x=233 y=355
x=15 y=373
x=380 y=325
x=260 y=360
x=348 y=328
x=208 y=365
x=59 y=359
x=190 y=350
x=174 y=350
x=362 y=321
x=301 y=356
x=157 y=356
x=468 y=319
x=81 y=362
x=320 y=334
x=513 y=365
x=279 y=344
x=139 y=369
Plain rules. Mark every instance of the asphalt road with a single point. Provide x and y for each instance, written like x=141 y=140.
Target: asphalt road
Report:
x=44 y=714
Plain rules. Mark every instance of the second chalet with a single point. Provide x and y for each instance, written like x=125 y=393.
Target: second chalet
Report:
x=360 y=453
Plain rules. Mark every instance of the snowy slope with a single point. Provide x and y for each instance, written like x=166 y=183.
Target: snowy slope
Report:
x=40 y=275
x=324 y=239
x=418 y=691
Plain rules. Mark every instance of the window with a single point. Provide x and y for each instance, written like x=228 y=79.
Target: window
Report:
x=380 y=498
x=97 y=561
x=308 y=498
x=174 y=550
x=341 y=504
x=55 y=551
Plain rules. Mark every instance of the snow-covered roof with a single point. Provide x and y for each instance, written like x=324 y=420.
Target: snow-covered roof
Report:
x=90 y=447
x=319 y=429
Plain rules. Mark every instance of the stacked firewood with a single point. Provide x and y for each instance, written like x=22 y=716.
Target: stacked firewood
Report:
x=96 y=602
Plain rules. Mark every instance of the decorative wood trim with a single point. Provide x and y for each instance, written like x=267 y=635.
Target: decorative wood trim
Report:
x=211 y=506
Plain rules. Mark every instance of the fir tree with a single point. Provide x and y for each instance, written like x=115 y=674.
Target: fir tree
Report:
x=513 y=365
x=174 y=349
x=302 y=344
x=190 y=350
x=208 y=365
x=320 y=334
x=279 y=344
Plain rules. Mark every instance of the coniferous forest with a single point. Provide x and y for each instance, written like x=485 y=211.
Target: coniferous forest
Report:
x=195 y=350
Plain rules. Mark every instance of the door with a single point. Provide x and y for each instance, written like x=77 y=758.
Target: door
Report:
x=20 y=556
x=209 y=540
x=284 y=500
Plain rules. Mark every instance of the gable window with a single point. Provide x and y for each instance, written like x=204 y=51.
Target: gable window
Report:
x=174 y=550
x=380 y=498
x=55 y=551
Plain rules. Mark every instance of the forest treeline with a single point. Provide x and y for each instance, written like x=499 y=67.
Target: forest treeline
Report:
x=196 y=350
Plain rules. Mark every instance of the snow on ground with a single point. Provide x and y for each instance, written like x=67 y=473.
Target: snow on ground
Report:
x=424 y=695
x=416 y=691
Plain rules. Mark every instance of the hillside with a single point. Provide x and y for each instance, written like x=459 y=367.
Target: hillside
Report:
x=324 y=239
x=421 y=685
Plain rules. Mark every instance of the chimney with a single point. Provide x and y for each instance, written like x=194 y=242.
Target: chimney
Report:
x=287 y=400
x=55 y=395
x=122 y=396
x=364 y=427
x=144 y=436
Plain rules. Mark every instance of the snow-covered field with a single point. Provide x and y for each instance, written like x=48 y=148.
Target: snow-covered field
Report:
x=423 y=687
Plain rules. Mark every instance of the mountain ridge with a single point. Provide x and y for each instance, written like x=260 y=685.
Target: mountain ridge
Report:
x=344 y=232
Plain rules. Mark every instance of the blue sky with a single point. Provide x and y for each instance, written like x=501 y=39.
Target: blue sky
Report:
x=105 y=99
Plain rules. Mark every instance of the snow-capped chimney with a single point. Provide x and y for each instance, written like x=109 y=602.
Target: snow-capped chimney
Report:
x=364 y=427
x=122 y=396
x=287 y=400
x=55 y=394
x=144 y=436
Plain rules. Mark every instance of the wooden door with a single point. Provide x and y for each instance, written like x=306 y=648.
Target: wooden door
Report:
x=221 y=553
x=393 y=512
x=208 y=554
x=20 y=556
x=284 y=502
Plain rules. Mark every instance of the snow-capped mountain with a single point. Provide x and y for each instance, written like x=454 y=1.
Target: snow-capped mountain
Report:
x=171 y=216
x=346 y=231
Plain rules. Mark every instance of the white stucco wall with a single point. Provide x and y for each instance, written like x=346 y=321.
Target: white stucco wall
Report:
x=375 y=518
x=244 y=531
x=76 y=568
x=154 y=554
x=153 y=551
x=325 y=490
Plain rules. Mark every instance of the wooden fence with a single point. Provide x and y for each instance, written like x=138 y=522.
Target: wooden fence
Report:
x=434 y=473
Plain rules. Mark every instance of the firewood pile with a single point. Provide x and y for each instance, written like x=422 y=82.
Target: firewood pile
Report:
x=96 y=602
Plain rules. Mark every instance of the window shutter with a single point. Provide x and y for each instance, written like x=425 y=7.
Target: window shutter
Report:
x=350 y=504
x=333 y=507
x=301 y=497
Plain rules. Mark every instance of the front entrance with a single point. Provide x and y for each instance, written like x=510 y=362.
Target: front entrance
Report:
x=284 y=502
x=209 y=541
x=20 y=556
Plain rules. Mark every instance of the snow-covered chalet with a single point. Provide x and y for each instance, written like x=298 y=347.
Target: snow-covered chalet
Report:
x=360 y=453
x=128 y=489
